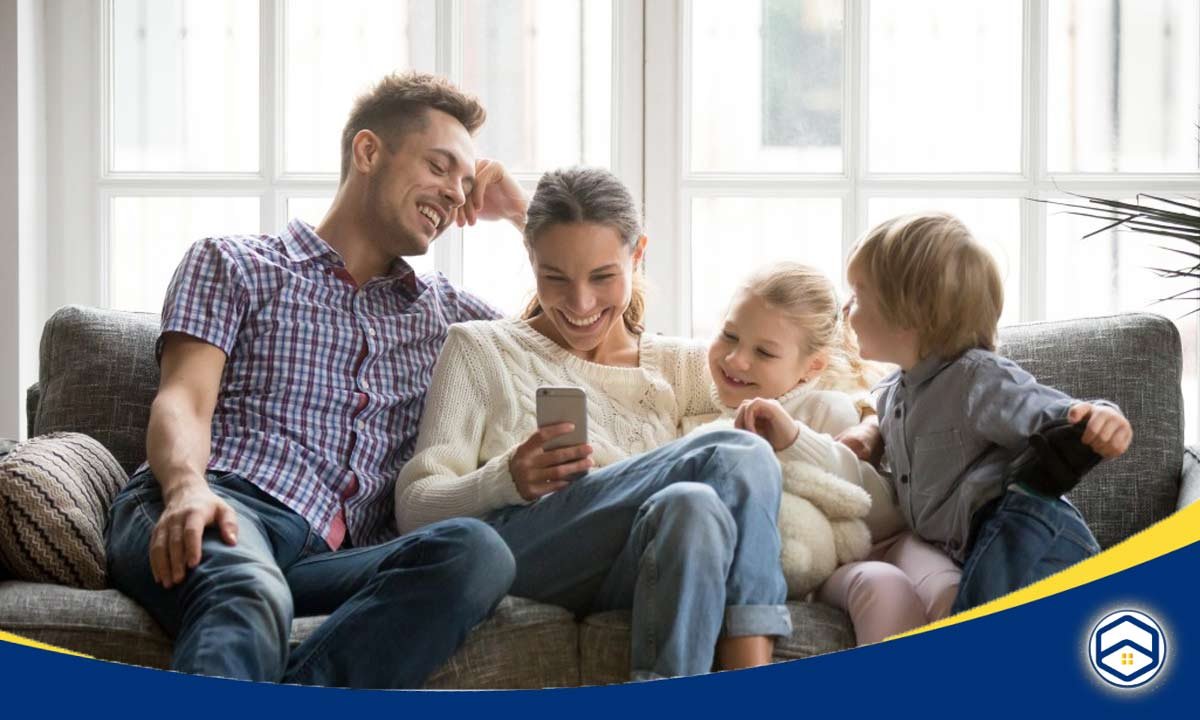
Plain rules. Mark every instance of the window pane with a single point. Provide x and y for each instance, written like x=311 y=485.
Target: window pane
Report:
x=1110 y=273
x=995 y=222
x=185 y=85
x=1124 y=86
x=543 y=69
x=496 y=266
x=945 y=86
x=766 y=82
x=150 y=234
x=334 y=52
x=734 y=236
x=312 y=210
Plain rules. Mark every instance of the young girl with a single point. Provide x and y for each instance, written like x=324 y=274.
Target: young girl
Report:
x=786 y=366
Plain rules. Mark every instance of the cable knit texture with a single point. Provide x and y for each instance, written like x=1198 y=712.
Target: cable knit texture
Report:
x=481 y=405
x=828 y=494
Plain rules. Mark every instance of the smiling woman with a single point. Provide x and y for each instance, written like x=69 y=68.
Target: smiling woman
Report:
x=651 y=525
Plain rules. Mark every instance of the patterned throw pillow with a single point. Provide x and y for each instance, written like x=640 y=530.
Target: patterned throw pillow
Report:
x=55 y=491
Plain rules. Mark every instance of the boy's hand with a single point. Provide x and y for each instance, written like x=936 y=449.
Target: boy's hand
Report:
x=768 y=420
x=1107 y=431
x=864 y=440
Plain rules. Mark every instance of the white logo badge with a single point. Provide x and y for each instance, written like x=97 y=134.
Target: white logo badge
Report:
x=1127 y=648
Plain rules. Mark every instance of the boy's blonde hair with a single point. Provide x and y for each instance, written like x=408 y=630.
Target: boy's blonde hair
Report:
x=807 y=296
x=931 y=275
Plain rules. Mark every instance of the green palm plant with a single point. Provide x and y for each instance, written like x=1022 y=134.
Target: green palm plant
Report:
x=1150 y=215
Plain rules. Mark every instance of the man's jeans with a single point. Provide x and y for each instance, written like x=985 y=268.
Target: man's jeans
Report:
x=685 y=535
x=397 y=610
x=1020 y=538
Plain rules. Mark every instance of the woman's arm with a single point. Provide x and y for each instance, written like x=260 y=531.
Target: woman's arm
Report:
x=446 y=476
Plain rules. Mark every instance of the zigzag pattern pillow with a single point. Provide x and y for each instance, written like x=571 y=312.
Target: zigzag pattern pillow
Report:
x=55 y=491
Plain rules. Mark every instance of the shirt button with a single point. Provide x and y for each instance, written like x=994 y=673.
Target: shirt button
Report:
x=371 y=332
x=366 y=385
x=904 y=479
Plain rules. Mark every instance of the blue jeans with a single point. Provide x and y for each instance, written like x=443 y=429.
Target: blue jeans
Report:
x=684 y=535
x=397 y=611
x=1020 y=538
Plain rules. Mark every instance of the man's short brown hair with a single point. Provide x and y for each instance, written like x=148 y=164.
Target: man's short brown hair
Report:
x=400 y=103
x=931 y=275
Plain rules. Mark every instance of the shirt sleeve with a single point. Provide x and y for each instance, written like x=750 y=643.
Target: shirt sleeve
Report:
x=207 y=297
x=465 y=306
x=1007 y=405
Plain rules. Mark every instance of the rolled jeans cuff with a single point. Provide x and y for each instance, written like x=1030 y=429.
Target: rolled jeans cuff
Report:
x=746 y=620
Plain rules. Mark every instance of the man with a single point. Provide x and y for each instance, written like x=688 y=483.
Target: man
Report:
x=294 y=370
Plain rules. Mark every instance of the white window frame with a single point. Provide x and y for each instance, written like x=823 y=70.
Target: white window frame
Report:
x=671 y=185
x=81 y=193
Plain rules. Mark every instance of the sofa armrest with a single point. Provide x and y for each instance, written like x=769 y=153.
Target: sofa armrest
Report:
x=1189 y=479
x=33 y=396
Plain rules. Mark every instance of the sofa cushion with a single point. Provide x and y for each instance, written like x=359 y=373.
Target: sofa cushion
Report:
x=604 y=640
x=1133 y=360
x=523 y=645
x=54 y=496
x=98 y=376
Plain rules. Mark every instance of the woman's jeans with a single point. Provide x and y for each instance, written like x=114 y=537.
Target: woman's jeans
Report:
x=685 y=535
x=1020 y=538
x=397 y=611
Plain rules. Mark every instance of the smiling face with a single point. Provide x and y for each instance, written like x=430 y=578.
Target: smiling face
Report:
x=759 y=352
x=414 y=187
x=584 y=274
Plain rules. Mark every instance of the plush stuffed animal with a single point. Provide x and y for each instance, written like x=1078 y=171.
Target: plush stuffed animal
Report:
x=820 y=520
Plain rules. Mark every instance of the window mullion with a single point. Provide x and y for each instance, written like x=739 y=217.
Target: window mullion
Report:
x=448 y=250
x=1033 y=161
x=272 y=211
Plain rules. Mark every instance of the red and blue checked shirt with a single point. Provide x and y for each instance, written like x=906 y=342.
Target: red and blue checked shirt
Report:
x=324 y=380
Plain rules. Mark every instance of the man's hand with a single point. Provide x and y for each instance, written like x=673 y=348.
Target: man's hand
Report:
x=768 y=420
x=1107 y=431
x=175 y=542
x=865 y=440
x=496 y=196
x=537 y=471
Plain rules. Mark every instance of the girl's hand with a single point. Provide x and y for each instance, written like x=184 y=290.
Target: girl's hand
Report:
x=537 y=471
x=768 y=420
x=864 y=440
x=1107 y=431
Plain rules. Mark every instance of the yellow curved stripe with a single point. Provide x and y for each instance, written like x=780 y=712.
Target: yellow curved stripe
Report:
x=18 y=640
x=1178 y=530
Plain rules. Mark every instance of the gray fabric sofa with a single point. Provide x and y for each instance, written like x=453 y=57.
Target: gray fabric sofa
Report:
x=98 y=377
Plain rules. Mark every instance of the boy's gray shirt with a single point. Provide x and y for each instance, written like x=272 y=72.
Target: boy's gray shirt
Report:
x=950 y=428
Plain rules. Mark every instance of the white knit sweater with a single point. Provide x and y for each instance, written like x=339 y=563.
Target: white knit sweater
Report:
x=481 y=405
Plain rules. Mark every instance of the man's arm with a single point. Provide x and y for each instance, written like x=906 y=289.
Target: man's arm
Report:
x=178 y=443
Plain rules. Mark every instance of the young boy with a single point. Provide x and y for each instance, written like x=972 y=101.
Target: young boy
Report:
x=927 y=297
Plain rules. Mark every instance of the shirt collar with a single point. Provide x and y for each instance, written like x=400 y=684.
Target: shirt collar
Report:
x=923 y=371
x=301 y=243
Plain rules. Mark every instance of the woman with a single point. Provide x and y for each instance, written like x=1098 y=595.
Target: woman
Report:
x=682 y=532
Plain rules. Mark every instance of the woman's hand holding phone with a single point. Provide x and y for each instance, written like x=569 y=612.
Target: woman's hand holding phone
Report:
x=537 y=471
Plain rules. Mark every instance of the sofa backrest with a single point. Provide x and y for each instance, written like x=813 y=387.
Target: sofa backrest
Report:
x=98 y=377
x=1133 y=360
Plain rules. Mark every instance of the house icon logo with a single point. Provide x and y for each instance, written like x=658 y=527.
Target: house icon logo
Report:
x=1127 y=648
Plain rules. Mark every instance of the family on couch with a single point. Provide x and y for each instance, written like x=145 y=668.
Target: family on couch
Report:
x=291 y=471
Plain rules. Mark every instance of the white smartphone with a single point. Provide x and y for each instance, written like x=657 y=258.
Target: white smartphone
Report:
x=563 y=404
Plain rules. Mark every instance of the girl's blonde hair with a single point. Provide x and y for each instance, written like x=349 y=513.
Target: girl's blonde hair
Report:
x=808 y=297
